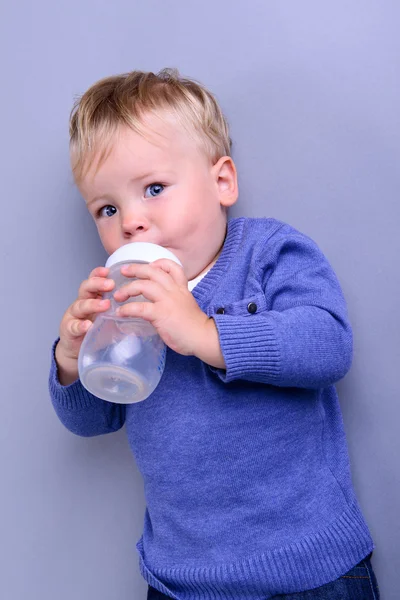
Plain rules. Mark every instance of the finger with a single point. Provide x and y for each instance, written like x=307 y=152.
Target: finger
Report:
x=148 y=272
x=173 y=269
x=82 y=309
x=156 y=271
x=99 y=272
x=143 y=310
x=77 y=328
x=151 y=290
x=92 y=287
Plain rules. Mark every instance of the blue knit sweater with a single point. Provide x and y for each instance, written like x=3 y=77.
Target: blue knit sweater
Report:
x=245 y=470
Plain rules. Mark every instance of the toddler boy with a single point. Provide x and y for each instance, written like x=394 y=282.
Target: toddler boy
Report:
x=241 y=446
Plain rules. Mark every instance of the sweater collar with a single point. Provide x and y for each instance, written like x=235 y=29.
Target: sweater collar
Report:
x=208 y=284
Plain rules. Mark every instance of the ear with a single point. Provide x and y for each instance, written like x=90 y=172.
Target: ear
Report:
x=225 y=176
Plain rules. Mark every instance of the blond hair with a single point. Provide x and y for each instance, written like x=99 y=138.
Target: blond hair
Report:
x=126 y=99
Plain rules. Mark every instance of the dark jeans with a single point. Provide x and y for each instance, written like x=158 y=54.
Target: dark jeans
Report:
x=358 y=584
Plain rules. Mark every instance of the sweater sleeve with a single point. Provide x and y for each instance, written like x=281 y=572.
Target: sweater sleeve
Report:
x=80 y=411
x=303 y=337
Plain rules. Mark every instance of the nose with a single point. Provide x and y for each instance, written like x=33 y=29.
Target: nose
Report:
x=134 y=224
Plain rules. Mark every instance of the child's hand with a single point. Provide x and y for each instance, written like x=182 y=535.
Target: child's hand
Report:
x=172 y=310
x=78 y=319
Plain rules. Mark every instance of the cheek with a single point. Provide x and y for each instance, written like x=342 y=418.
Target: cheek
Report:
x=107 y=234
x=189 y=217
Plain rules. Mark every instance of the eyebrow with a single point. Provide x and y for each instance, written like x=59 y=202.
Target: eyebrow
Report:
x=97 y=199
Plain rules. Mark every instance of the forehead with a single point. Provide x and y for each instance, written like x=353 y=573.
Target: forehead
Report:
x=162 y=143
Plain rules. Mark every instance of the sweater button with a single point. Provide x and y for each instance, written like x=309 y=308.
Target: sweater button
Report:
x=220 y=310
x=252 y=307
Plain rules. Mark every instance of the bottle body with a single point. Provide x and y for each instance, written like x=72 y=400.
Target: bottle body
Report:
x=121 y=359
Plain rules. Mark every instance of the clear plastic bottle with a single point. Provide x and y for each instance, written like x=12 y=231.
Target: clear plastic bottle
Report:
x=122 y=359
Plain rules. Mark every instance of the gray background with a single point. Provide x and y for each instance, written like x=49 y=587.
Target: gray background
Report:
x=311 y=90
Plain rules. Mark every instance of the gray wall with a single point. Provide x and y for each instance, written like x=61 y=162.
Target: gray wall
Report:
x=311 y=89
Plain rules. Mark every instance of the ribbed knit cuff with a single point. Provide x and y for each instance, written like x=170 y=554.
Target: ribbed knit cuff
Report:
x=73 y=396
x=249 y=347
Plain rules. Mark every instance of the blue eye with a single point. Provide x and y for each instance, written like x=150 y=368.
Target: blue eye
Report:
x=154 y=189
x=107 y=211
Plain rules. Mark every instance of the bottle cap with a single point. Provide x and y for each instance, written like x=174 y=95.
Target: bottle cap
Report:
x=141 y=252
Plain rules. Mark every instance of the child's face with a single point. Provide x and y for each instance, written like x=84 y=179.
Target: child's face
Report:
x=162 y=189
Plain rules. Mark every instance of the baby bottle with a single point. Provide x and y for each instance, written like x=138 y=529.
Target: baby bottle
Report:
x=121 y=358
